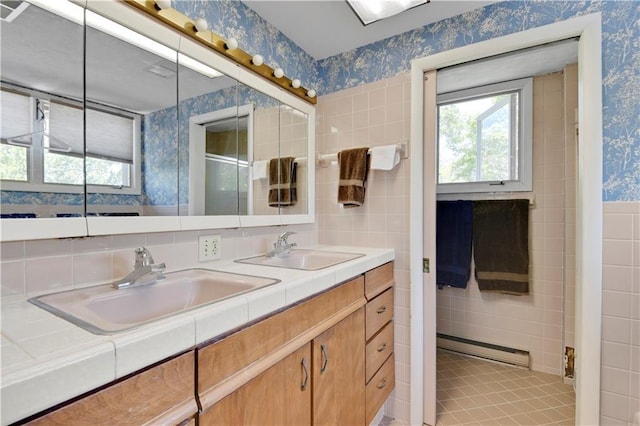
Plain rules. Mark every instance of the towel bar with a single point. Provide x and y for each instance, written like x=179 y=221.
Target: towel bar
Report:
x=324 y=160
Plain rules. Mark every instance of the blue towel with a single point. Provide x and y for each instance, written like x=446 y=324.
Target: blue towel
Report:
x=454 y=231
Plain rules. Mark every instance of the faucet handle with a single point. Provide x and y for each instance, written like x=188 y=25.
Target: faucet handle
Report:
x=143 y=257
x=283 y=237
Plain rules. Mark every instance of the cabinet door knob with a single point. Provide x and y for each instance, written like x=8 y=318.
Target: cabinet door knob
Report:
x=382 y=309
x=325 y=358
x=382 y=384
x=382 y=347
x=305 y=372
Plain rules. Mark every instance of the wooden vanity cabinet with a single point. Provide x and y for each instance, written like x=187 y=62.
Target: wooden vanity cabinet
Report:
x=279 y=396
x=379 y=359
x=338 y=373
x=256 y=374
x=162 y=394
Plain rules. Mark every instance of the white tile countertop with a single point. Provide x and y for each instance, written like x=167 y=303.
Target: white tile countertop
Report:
x=47 y=360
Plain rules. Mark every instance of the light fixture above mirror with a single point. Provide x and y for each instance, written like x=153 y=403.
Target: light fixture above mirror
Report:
x=198 y=30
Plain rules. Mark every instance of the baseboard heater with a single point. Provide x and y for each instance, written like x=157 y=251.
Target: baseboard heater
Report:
x=483 y=350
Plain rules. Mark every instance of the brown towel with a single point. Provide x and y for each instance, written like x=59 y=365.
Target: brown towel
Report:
x=282 y=182
x=501 y=245
x=354 y=167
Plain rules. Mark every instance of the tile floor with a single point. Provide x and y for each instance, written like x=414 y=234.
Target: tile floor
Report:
x=479 y=392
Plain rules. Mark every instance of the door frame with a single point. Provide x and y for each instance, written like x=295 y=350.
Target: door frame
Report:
x=588 y=213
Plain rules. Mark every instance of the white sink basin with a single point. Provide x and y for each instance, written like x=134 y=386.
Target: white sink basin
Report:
x=105 y=310
x=308 y=260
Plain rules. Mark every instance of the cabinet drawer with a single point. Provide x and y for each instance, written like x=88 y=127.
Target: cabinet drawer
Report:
x=221 y=360
x=377 y=280
x=163 y=394
x=379 y=388
x=378 y=312
x=378 y=350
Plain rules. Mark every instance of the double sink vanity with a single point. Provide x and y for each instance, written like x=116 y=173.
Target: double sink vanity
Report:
x=304 y=337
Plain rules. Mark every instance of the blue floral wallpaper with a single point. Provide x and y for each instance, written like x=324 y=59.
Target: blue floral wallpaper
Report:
x=621 y=68
x=231 y=18
x=387 y=58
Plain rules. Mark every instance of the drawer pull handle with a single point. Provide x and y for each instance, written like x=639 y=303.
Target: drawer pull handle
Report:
x=382 y=309
x=325 y=358
x=382 y=384
x=382 y=347
x=303 y=386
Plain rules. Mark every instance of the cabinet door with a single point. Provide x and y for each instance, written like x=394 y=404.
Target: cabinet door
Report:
x=279 y=396
x=338 y=373
x=163 y=394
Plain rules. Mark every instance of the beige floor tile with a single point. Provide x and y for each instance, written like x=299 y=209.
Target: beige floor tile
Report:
x=479 y=415
x=477 y=392
x=463 y=417
x=523 y=419
x=451 y=405
x=522 y=407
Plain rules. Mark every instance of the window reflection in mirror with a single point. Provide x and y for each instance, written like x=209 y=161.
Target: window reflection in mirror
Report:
x=131 y=136
x=42 y=144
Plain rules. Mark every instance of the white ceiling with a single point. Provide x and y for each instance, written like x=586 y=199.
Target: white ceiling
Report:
x=325 y=28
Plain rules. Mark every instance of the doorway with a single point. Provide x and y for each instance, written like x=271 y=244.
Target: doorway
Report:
x=588 y=210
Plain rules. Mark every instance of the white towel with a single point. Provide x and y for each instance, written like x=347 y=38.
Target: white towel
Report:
x=259 y=169
x=384 y=157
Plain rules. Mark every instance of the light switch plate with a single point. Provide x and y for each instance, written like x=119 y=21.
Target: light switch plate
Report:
x=209 y=247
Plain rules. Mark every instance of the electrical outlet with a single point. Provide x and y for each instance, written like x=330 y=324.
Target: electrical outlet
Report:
x=209 y=247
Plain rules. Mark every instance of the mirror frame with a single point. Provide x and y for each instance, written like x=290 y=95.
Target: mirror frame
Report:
x=129 y=16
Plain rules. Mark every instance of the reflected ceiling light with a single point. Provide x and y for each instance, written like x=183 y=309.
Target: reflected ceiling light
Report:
x=198 y=66
x=66 y=9
x=78 y=15
x=369 y=11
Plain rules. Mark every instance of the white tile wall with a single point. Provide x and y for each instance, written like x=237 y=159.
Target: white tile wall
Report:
x=620 y=373
x=30 y=267
x=371 y=115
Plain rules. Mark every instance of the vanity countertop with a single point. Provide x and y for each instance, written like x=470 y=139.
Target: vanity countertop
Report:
x=47 y=360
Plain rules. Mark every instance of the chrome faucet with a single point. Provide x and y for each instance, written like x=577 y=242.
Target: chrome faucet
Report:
x=145 y=271
x=282 y=246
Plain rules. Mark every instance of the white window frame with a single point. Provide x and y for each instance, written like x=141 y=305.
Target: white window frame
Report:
x=524 y=183
x=35 y=156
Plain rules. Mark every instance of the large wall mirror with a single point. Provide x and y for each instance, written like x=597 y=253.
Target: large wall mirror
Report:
x=122 y=131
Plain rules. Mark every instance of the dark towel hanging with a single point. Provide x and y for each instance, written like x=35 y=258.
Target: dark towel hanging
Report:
x=501 y=245
x=353 y=168
x=282 y=182
x=454 y=230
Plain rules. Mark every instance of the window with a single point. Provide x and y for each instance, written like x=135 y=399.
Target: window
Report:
x=484 y=138
x=43 y=145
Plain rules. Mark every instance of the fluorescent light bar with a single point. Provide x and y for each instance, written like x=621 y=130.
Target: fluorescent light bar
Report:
x=369 y=11
x=66 y=9
x=123 y=33
x=76 y=14
x=197 y=66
